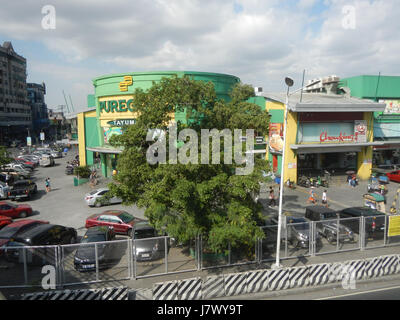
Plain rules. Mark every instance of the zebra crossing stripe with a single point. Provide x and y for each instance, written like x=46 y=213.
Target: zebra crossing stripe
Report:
x=213 y=287
x=390 y=264
x=356 y=266
x=120 y=293
x=165 y=290
x=299 y=277
x=235 y=284
x=257 y=281
x=373 y=268
x=189 y=289
x=319 y=274
x=278 y=279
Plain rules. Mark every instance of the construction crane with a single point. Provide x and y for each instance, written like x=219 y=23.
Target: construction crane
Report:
x=66 y=103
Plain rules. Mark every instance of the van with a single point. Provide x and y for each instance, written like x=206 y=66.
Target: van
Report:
x=46 y=161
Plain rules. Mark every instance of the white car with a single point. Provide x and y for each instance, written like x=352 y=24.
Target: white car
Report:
x=93 y=199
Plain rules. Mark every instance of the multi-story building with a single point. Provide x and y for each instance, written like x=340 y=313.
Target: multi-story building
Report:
x=15 y=111
x=386 y=90
x=40 y=119
x=326 y=129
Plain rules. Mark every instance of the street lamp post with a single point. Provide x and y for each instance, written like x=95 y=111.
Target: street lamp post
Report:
x=289 y=82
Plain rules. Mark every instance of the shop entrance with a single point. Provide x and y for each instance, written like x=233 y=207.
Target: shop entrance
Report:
x=335 y=163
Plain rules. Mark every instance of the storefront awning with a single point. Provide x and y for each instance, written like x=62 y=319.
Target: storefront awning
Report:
x=332 y=147
x=104 y=150
x=388 y=145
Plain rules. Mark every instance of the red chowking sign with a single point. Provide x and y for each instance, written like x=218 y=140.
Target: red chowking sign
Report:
x=359 y=134
x=360 y=130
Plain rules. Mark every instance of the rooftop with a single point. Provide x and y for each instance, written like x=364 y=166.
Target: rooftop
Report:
x=322 y=102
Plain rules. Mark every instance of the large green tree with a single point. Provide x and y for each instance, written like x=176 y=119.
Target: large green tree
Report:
x=190 y=199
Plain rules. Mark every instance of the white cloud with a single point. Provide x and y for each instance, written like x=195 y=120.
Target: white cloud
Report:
x=261 y=43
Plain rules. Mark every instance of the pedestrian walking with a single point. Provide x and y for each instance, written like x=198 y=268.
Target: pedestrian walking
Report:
x=324 y=198
x=271 y=197
x=312 y=198
x=47 y=184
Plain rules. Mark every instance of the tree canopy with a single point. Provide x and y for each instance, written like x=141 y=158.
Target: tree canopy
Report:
x=190 y=199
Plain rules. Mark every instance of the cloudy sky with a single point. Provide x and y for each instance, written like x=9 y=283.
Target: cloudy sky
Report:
x=260 y=41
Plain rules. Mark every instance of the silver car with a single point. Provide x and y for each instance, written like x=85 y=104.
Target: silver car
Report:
x=95 y=198
x=147 y=243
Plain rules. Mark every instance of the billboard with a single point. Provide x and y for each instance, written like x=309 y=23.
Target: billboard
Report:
x=392 y=106
x=275 y=141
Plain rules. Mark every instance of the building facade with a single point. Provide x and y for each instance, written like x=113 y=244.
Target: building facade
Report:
x=386 y=123
x=325 y=130
x=15 y=111
x=40 y=119
x=111 y=108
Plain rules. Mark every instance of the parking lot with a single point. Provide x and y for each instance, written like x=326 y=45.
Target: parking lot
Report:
x=65 y=205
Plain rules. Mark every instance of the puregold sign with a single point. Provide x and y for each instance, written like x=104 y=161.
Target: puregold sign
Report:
x=123 y=85
x=112 y=106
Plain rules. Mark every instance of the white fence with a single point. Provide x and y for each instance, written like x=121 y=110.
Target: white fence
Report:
x=133 y=259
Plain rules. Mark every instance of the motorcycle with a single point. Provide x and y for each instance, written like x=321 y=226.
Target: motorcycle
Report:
x=290 y=184
x=304 y=182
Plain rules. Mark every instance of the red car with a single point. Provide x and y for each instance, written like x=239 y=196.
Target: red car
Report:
x=121 y=221
x=394 y=176
x=15 y=228
x=15 y=211
x=4 y=221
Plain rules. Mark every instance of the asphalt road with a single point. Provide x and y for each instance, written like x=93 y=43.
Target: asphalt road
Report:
x=387 y=288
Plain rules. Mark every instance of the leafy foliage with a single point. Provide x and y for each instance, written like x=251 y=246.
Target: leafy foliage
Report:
x=82 y=171
x=4 y=156
x=194 y=198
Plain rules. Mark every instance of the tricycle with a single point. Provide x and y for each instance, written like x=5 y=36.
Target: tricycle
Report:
x=375 y=201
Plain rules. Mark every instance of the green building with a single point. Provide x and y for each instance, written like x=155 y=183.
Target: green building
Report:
x=383 y=89
x=111 y=107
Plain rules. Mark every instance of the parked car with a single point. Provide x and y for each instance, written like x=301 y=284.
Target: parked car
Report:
x=15 y=211
x=15 y=174
x=56 y=153
x=10 y=181
x=40 y=235
x=25 y=172
x=22 y=189
x=374 y=222
x=46 y=160
x=327 y=224
x=85 y=256
x=4 y=189
x=394 y=176
x=95 y=198
x=20 y=165
x=15 y=228
x=4 y=221
x=148 y=243
x=120 y=220
x=298 y=231
x=25 y=163
x=30 y=158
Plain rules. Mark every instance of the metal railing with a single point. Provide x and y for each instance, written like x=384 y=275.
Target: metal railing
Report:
x=129 y=259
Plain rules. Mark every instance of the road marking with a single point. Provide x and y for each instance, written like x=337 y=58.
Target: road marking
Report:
x=358 y=293
x=329 y=200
